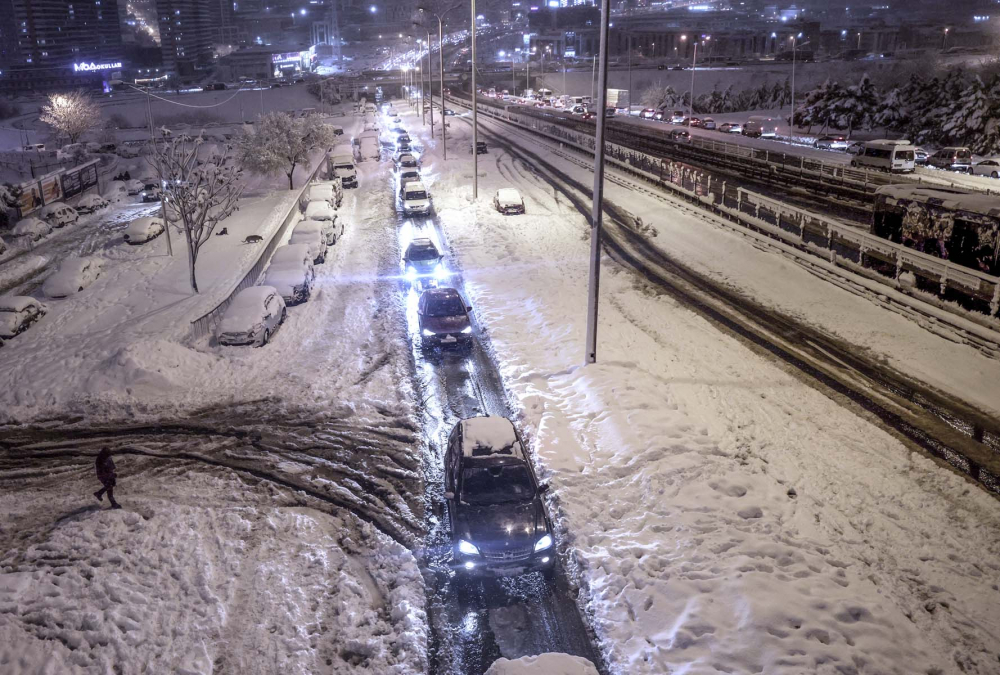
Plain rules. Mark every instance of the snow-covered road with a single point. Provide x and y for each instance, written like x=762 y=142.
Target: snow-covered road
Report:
x=721 y=511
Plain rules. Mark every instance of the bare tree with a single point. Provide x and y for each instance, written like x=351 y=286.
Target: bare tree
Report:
x=200 y=189
x=71 y=115
x=280 y=142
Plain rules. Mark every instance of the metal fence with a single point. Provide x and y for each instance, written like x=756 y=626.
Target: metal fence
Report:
x=207 y=322
x=833 y=241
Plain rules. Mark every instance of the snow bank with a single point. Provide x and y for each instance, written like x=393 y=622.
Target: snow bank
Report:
x=184 y=584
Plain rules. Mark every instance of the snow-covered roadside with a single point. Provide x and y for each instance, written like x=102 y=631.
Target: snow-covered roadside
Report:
x=705 y=244
x=722 y=514
x=137 y=312
x=201 y=573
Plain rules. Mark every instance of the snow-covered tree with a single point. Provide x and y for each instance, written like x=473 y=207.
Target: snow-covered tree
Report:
x=659 y=97
x=9 y=196
x=71 y=115
x=891 y=113
x=200 y=191
x=280 y=142
x=857 y=106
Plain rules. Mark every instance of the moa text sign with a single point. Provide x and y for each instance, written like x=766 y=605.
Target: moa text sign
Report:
x=89 y=67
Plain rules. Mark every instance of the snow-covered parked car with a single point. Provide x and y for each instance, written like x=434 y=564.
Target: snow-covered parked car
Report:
x=58 y=214
x=90 y=203
x=32 y=228
x=329 y=228
x=17 y=312
x=499 y=526
x=74 y=275
x=143 y=229
x=443 y=318
x=252 y=317
x=134 y=187
x=328 y=192
x=292 y=279
x=116 y=191
x=319 y=210
x=310 y=233
x=293 y=253
x=508 y=201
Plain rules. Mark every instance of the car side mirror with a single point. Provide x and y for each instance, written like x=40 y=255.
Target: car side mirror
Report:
x=468 y=308
x=543 y=487
x=449 y=495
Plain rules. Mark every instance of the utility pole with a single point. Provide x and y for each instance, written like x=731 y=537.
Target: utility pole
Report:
x=593 y=80
x=475 y=109
x=596 y=214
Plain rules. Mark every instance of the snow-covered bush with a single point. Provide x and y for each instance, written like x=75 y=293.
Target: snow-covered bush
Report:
x=280 y=142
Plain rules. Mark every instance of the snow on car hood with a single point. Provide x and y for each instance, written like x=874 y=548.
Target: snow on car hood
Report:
x=499 y=526
x=446 y=324
x=71 y=277
x=508 y=197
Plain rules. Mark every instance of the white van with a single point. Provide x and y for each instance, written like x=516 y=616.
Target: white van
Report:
x=892 y=156
x=416 y=199
x=342 y=167
x=58 y=214
x=760 y=126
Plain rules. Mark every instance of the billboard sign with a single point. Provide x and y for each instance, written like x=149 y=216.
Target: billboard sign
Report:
x=51 y=189
x=30 y=200
x=91 y=67
x=80 y=179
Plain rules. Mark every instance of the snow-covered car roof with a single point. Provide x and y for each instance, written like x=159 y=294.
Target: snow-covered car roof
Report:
x=31 y=226
x=291 y=253
x=284 y=277
x=488 y=436
x=414 y=186
x=310 y=225
x=144 y=225
x=17 y=303
x=52 y=208
x=319 y=208
x=67 y=280
x=321 y=191
x=509 y=197
x=543 y=664
x=246 y=309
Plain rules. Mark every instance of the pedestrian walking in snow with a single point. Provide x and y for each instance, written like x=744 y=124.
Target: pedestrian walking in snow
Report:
x=106 y=474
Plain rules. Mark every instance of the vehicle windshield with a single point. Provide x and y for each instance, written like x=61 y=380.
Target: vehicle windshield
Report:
x=497 y=484
x=416 y=194
x=448 y=305
x=422 y=253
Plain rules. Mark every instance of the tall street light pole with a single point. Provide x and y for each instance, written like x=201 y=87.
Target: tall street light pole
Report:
x=596 y=214
x=694 y=61
x=444 y=123
x=475 y=109
x=629 y=43
x=795 y=46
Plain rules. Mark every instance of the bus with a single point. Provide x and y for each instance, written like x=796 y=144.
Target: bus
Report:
x=892 y=156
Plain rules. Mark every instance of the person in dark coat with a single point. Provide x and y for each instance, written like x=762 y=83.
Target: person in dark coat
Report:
x=106 y=474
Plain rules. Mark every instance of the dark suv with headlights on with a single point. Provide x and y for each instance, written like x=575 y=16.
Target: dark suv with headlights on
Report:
x=422 y=262
x=498 y=522
x=444 y=318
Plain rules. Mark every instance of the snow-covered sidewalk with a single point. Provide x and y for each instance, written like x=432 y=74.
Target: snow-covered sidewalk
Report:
x=232 y=556
x=721 y=514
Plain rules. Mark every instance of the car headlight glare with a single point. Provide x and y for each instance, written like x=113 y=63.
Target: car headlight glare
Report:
x=467 y=330
x=467 y=548
x=427 y=333
x=543 y=543
x=411 y=272
x=440 y=272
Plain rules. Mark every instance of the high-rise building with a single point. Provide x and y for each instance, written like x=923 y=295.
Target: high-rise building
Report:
x=187 y=32
x=58 y=43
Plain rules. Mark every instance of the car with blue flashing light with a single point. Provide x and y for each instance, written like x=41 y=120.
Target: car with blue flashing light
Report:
x=443 y=318
x=499 y=526
x=422 y=262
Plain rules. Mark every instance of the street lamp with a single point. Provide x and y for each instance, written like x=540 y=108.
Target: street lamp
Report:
x=694 y=63
x=596 y=213
x=795 y=45
x=444 y=124
x=944 y=39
